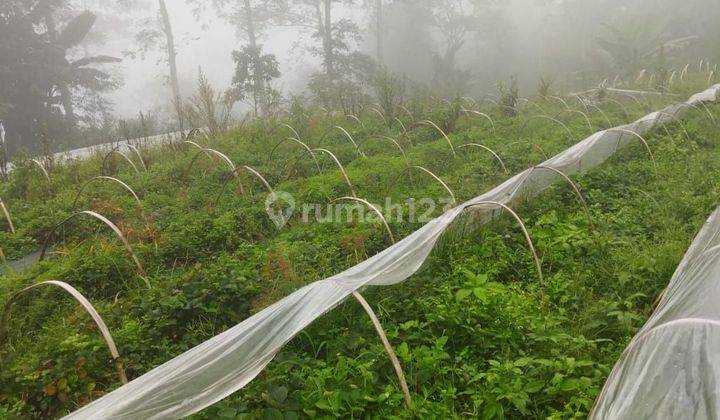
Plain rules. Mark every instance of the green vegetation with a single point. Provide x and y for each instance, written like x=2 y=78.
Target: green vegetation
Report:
x=470 y=329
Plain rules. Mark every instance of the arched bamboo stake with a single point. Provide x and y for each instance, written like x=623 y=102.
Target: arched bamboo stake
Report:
x=223 y=157
x=85 y=304
x=636 y=100
x=525 y=233
x=260 y=177
x=575 y=111
x=192 y=143
x=295 y=133
x=646 y=194
x=375 y=210
x=546 y=117
x=6 y=212
x=191 y=134
x=437 y=178
x=565 y=104
x=502 y=164
x=357 y=148
x=303 y=145
x=710 y=77
x=684 y=72
x=481 y=114
x=575 y=188
x=675 y=119
x=127 y=159
x=398 y=146
x=534 y=145
x=42 y=168
x=616 y=80
x=620 y=104
x=537 y=105
x=206 y=132
x=356 y=119
x=640 y=76
x=342 y=169
x=380 y=113
x=109 y=224
x=597 y=108
x=700 y=66
x=108 y=178
x=388 y=348
x=405 y=132
x=233 y=169
x=432 y=124
x=672 y=77
x=137 y=152
x=623 y=131
x=407 y=111
x=581 y=101
x=704 y=109
x=235 y=173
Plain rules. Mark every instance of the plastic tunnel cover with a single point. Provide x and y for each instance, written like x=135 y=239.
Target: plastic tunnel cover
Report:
x=225 y=363
x=671 y=368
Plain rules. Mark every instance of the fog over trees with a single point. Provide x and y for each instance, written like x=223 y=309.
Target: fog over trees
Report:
x=65 y=82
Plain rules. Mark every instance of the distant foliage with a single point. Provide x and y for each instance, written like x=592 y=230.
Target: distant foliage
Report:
x=208 y=108
x=390 y=91
x=45 y=95
x=251 y=82
x=509 y=96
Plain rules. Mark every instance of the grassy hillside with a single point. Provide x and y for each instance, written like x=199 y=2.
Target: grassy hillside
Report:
x=471 y=330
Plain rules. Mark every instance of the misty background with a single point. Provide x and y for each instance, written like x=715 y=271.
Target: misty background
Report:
x=74 y=73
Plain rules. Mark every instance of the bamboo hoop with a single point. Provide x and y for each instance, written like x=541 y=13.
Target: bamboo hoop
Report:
x=437 y=178
x=526 y=233
x=109 y=224
x=303 y=145
x=127 y=159
x=575 y=188
x=432 y=124
x=357 y=148
x=388 y=348
x=6 y=212
x=42 y=168
x=502 y=164
x=623 y=131
x=104 y=331
x=108 y=178
x=375 y=210
x=549 y=118
x=481 y=114
x=342 y=169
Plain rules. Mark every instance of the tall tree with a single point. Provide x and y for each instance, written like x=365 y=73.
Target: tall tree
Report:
x=346 y=72
x=254 y=69
x=157 y=34
x=172 y=63
x=40 y=85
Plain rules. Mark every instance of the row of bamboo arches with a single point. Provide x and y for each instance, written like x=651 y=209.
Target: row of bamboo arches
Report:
x=235 y=170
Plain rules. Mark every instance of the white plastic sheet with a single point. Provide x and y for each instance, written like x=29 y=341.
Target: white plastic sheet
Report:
x=671 y=368
x=224 y=364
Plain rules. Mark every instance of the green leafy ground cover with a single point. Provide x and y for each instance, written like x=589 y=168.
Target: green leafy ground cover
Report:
x=470 y=329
